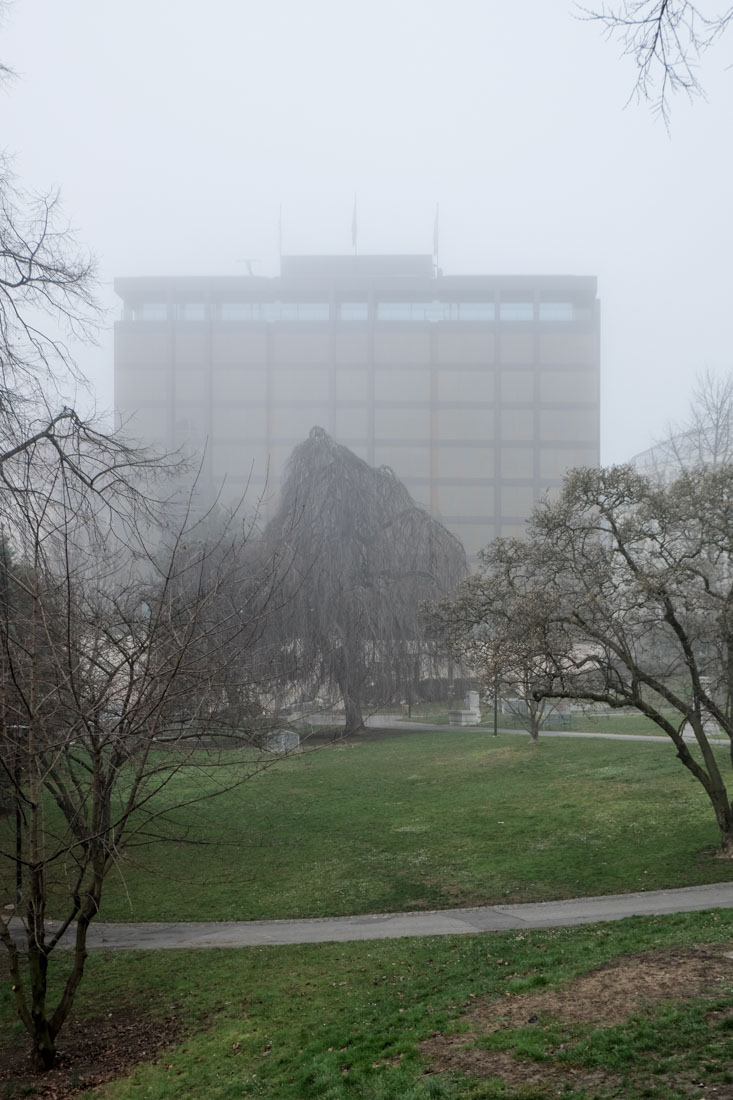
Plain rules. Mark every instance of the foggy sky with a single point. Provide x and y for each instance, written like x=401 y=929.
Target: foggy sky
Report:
x=177 y=131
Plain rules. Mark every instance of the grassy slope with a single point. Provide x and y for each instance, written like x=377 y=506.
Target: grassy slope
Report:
x=413 y=821
x=339 y=1021
x=428 y=821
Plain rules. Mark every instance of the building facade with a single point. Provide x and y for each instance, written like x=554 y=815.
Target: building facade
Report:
x=479 y=391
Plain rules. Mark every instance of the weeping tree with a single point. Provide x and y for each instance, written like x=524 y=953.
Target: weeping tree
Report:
x=361 y=558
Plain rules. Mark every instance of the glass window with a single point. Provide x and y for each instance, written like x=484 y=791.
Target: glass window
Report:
x=412 y=311
x=272 y=312
x=476 y=311
x=192 y=311
x=354 y=311
x=516 y=311
x=431 y=311
x=309 y=311
x=556 y=311
x=394 y=311
x=236 y=311
x=152 y=311
x=436 y=311
x=267 y=311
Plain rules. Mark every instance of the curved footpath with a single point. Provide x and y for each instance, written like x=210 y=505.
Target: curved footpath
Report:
x=398 y=722
x=437 y=922
x=388 y=926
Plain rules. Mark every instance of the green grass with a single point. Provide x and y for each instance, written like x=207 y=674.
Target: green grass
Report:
x=586 y=721
x=426 y=821
x=342 y=1021
x=417 y=821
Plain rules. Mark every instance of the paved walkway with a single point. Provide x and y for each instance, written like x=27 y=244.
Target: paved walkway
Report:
x=396 y=721
x=387 y=926
x=439 y=922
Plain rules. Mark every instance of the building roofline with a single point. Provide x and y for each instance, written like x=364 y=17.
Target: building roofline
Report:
x=346 y=278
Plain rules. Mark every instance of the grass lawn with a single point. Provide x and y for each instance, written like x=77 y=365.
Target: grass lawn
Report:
x=427 y=820
x=499 y=1016
x=579 y=721
x=587 y=721
x=638 y=1008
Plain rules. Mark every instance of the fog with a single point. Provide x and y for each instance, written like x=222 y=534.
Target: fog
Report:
x=179 y=132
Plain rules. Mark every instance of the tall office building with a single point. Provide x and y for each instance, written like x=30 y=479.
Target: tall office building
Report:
x=478 y=390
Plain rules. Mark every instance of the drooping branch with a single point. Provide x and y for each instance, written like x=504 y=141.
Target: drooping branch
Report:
x=362 y=559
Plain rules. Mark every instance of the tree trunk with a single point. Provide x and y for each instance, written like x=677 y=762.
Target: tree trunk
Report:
x=353 y=714
x=713 y=784
x=725 y=823
x=43 y=1054
x=536 y=714
x=726 y=846
x=43 y=1048
x=720 y=802
x=350 y=688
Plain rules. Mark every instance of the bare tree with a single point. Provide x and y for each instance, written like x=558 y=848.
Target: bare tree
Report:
x=630 y=584
x=47 y=297
x=114 y=635
x=47 y=302
x=518 y=678
x=362 y=558
x=112 y=646
x=703 y=439
x=664 y=39
x=481 y=626
x=43 y=275
x=5 y=72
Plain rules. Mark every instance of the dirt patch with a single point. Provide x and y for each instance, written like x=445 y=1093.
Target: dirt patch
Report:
x=606 y=996
x=615 y=991
x=90 y=1052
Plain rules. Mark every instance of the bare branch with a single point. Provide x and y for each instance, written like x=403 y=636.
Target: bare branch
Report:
x=622 y=594
x=43 y=274
x=665 y=40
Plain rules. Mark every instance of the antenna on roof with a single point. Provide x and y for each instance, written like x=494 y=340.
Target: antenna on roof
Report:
x=249 y=261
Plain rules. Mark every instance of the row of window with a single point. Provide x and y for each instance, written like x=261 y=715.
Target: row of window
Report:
x=435 y=311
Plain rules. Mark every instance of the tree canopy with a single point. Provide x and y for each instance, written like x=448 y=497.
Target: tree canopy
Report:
x=361 y=558
x=625 y=587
